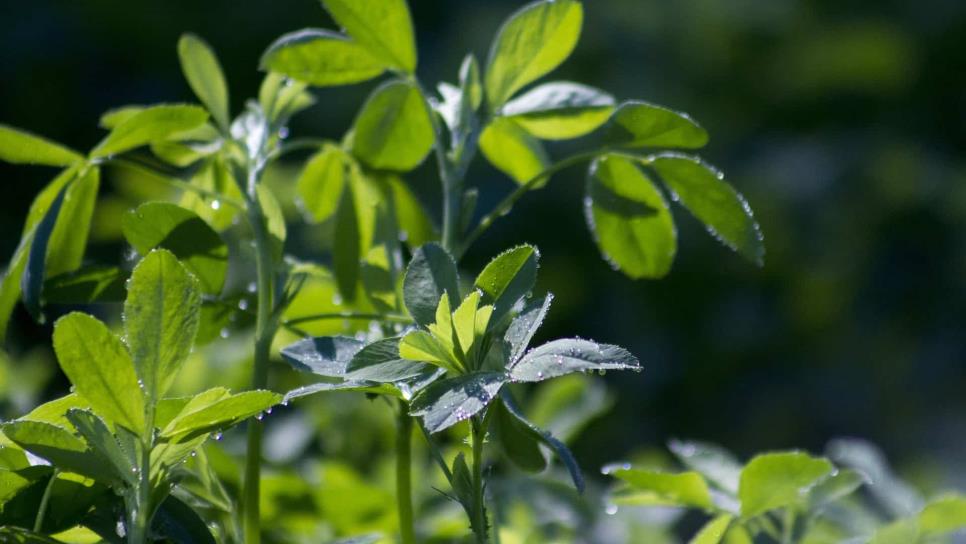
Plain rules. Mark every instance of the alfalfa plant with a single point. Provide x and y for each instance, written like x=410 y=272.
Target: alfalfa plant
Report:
x=463 y=346
x=632 y=149
x=117 y=442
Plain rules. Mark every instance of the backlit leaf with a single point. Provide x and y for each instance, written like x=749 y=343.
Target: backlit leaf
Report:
x=322 y=181
x=321 y=58
x=204 y=75
x=776 y=480
x=629 y=218
x=513 y=151
x=149 y=125
x=384 y=27
x=531 y=43
x=393 y=131
x=647 y=487
x=560 y=110
x=639 y=124
x=508 y=278
x=21 y=147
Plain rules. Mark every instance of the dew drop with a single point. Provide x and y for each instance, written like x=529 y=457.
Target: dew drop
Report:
x=216 y=204
x=283 y=132
x=224 y=333
x=252 y=287
x=217 y=436
x=260 y=417
x=243 y=304
x=611 y=509
x=337 y=299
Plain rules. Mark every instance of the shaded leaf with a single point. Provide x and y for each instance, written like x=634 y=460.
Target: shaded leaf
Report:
x=531 y=43
x=381 y=362
x=179 y=523
x=517 y=441
x=713 y=462
x=325 y=355
x=629 y=219
x=183 y=233
x=431 y=272
x=346 y=253
x=559 y=448
x=102 y=441
x=57 y=445
x=95 y=283
x=525 y=325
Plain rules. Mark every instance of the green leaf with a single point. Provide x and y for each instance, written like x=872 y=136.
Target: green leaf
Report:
x=902 y=531
x=646 y=487
x=21 y=147
x=68 y=241
x=274 y=219
x=703 y=191
x=381 y=362
x=897 y=497
x=838 y=485
x=204 y=75
x=777 y=480
x=716 y=464
x=560 y=110
x=559 y=448
x=322 y=181
x=943 y=515
x=114 y=117
x=281 y=98
x=18 y=535
x=324 y=355
x=447 y=402
x=462 y=483
x=525 y=324
x=513 y=151
x=150 y=125
x=713 y=532
x=517 y=440
x=219 y=415
x=422 y=346
x=629 y=219
x=393 y=131
x=321 y=58
x=57 y=445
x=346 y=251
x=349 y=386
x=160 y=319
x=415 y=225
x=639 y=124
x=178 y=523
x=183 y=233
x=566 y=356
x=55 y=411
x=32 y=280
x=103 y=443
x=508 y=278
x=10 y=286
x=213 y=175
x=384 y=27
x=431 y=272
x=531 y=43
x=100 y=368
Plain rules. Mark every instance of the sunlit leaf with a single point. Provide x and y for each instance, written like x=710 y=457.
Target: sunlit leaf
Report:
x=647 y=487
x=393 y=131
x=513 y=151
x=21 y=147
x=204 y=75
x=218 y=415
x=384 y=27
x=321 y=58
x=713 y=531
x=100 y=368
x=639 y=124
x=702 y=190
x=629 y=218
x=149 y=125
x=565 y=356
x=508 y=278
x=531 y=43
x=776 y=480
x=160 y=319
x=447 y=402
x=322 y=181
x=560 y=110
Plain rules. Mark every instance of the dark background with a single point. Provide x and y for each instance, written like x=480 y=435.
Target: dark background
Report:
x=842 y=122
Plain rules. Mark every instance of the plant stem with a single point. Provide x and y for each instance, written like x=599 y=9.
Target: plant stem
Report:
x=788 y=526
x=42 y=510
x=507 y=203
x=479 y=524
x=265 y=328
x=404 y=492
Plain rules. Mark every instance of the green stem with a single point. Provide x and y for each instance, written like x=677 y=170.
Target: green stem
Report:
x=139 y=520
x=404 y=492
x=42 y=510
x=265 y=328
x=478 y=431
x=788 y=526
x=507 y=203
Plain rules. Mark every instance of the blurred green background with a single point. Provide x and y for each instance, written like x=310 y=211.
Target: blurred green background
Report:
x=842 y=122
